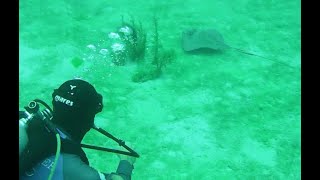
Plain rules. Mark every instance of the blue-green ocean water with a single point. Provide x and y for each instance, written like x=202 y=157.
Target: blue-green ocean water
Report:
x=225 y=115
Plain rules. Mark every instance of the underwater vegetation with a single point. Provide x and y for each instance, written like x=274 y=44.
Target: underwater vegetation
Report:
x=136 y=42
x=157 y=59
x=131 y=45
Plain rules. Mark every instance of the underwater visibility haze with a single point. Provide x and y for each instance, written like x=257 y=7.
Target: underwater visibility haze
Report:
x=200 y=89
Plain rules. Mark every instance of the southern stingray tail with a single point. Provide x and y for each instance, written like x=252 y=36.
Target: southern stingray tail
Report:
x=252 y=54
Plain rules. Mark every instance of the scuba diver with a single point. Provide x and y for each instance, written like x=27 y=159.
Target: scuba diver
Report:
x=44 y=134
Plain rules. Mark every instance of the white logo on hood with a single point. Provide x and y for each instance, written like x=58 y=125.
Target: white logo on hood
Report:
x=63 y=100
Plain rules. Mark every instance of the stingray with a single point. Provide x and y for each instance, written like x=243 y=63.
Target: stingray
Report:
x=202 y=40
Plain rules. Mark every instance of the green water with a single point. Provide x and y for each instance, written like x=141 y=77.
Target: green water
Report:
x=220 y=116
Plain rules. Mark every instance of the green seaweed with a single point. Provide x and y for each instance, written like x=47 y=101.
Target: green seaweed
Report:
x=158 y=59
x=146 y=73
x=161 y=56
x=136 y=43
x=156 y=43
x=166 y=57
